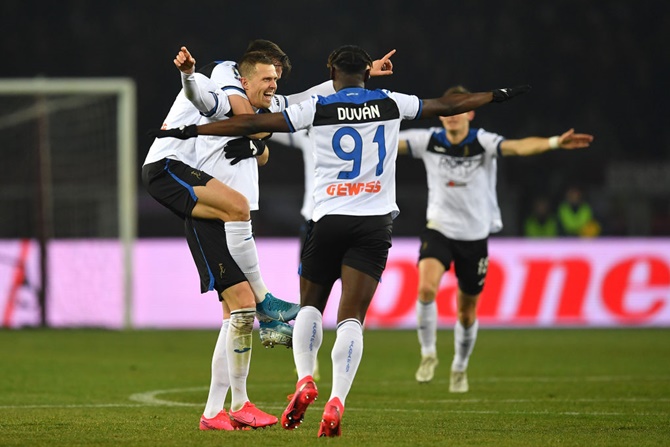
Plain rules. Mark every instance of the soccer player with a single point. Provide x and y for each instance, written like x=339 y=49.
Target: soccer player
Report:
x=168 y=168
x=462 y=211
x=355 y=134
x=207 y=236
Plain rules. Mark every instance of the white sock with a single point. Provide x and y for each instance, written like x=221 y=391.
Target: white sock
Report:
x=346 y=355
x=218 y=387
x=464 y=343
x=238 y=347
x=242 y=247
x=426 y=315
x=307 y=338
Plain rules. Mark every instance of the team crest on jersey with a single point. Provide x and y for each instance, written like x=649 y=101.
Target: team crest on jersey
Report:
x=462 y=166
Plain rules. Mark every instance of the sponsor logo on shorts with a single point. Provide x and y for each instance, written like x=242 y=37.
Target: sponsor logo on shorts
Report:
x=482 y=266
x=196 y=174
x=353 y=189
x=453 y=184
x=222 y=270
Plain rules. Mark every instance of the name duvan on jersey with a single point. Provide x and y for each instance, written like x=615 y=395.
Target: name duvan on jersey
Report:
x=358 y=113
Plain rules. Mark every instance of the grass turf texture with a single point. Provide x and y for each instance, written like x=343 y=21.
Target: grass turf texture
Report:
x=599 y=387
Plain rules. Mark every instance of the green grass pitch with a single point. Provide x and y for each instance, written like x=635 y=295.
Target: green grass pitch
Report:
x=567 y=387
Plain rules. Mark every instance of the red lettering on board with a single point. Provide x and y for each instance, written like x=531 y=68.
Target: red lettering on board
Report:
x=576 y=272
x=618 y=283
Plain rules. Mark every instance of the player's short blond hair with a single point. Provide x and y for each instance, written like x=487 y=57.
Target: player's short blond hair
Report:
x=247 y=65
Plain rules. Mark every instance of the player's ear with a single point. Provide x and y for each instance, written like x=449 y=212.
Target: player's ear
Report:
x=471 y=115
x=366 y=77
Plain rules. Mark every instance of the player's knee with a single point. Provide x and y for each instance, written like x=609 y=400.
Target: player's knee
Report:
x=239 y=210
x=467 y=318
x=239 y=297
x=427 y=292
x=467 y=307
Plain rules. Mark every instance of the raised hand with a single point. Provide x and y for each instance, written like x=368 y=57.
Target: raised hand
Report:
x=383 y=66
x=184 y=61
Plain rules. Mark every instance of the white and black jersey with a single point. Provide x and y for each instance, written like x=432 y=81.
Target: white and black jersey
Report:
x=211 y=101
x=182 y=113
x=210 y=155
x=355 y=137
x=462 y=199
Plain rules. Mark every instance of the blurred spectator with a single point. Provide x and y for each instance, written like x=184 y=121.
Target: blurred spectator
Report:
x=575 y=215
x=541 y=222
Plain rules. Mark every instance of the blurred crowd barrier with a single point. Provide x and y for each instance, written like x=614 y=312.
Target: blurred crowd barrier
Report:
x=551 y=283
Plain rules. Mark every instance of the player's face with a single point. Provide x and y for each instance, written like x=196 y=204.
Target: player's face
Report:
x=457 y=123
x=261 y=85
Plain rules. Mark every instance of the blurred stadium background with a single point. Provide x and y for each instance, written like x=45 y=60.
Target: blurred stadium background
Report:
x=599 y=67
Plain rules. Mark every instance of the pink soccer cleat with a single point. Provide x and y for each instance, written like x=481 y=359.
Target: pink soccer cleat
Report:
x=305 y=394
x=332 y=419
x=221 y=421
x=250 y=416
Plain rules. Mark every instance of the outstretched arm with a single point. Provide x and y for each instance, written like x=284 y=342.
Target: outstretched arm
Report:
x=246 y=125
x=455 y=103
x=536 y=145
x=199 y=89
x=238 y=125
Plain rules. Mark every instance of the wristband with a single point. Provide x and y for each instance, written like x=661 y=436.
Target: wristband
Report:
x=554 y=143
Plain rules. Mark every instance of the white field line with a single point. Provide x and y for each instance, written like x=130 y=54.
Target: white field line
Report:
x=367 y=410
x=160 y=398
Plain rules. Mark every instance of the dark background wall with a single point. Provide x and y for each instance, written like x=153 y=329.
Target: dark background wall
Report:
x=599 y=66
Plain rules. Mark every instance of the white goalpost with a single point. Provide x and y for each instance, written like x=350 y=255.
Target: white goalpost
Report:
x=69 y=148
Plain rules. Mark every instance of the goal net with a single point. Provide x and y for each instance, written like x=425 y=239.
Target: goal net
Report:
x=67 y=200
